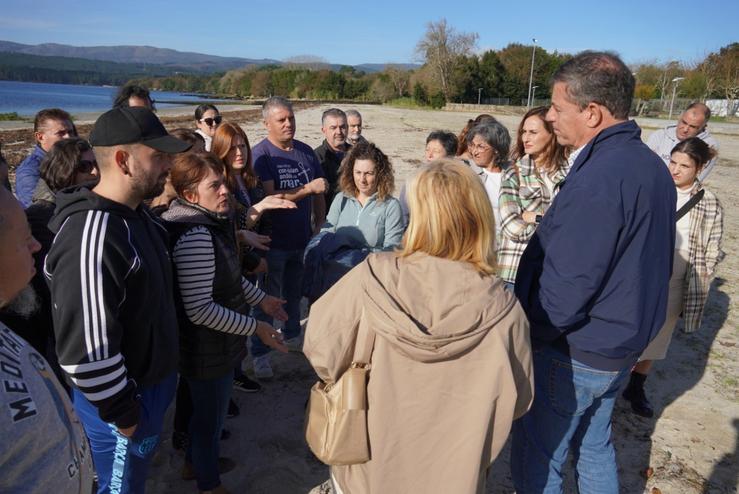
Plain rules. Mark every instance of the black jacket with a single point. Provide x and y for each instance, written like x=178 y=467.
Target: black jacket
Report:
x=110 y=278
x=207 y=353
x=330 y=162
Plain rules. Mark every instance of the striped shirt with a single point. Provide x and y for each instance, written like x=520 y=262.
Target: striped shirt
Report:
x=195 y=265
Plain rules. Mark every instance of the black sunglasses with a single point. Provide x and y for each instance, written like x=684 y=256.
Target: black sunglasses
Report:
x=209 y=121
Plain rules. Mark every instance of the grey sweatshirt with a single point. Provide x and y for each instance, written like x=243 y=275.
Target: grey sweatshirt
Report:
x=43 y=447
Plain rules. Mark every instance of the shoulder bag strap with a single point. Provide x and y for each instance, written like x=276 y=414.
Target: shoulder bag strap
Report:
x=364 y=344
x=689 y=205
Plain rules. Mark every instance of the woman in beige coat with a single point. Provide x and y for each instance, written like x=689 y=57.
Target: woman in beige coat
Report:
x=451 y=365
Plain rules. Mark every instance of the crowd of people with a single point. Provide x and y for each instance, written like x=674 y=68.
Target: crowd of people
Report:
x=515 y=286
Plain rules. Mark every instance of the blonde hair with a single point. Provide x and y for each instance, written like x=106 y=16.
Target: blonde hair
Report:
x=450 y=216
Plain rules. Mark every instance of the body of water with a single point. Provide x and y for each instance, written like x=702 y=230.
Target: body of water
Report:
x=27 y=98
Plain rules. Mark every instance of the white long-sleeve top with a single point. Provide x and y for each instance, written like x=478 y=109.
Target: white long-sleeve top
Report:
x=195 y=264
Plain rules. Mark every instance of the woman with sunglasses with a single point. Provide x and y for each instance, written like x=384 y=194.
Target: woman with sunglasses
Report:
x=207 y=119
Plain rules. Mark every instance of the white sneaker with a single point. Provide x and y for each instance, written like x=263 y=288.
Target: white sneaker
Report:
x=262 y=367
x=295 y=344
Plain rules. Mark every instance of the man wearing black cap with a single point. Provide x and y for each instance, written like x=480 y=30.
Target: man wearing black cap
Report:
x=111 y=288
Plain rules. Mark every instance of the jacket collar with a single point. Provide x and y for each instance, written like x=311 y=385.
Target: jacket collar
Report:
x=619 y=132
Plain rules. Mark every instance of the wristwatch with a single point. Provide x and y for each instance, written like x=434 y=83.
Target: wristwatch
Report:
x=538 y=218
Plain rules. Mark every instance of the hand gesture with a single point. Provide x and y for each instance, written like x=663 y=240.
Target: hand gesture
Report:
x=253 y=239
x=276 y=201
x=270 y=337
x=318 y=186
x=261 y=267
x=273 y=306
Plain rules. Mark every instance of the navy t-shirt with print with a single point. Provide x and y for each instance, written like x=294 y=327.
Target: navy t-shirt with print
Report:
x=291 y=228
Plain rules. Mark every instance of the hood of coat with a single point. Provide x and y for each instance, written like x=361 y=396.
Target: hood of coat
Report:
x=432 y=309
x=81 y=198
x=181 y=211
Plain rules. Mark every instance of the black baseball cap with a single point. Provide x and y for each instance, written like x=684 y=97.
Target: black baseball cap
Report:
x=134 y=125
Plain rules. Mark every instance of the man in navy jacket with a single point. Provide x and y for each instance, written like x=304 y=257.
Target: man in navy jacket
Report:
x=594 y=278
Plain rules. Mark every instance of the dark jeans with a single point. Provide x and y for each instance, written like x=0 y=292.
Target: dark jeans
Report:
x=182 y=407
x=284 y=279
x=572 y=409
x=209 y=406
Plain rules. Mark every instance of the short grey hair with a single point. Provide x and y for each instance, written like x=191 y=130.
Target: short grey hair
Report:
x=598 y=77
x=332 y=112
x=354 y=113
x=497 y=137
x=275 y=102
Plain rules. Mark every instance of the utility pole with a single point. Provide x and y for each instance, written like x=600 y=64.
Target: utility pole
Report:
x=531 y=75
x=675 y=82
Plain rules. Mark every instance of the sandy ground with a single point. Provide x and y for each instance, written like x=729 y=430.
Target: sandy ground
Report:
x=690 y=446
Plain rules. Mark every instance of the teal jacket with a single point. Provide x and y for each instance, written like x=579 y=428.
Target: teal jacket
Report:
x=378 y=225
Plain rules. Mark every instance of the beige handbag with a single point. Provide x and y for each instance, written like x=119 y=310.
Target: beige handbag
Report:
x=336 y=417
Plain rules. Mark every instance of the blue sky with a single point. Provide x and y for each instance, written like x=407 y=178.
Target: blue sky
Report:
x=376 y=31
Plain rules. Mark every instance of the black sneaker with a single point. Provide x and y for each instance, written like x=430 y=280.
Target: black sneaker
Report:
x=639 y=403
x=233 y=410
x=243 y=383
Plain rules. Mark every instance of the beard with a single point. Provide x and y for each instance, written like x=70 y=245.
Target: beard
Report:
x=148 y=186
x=25 y=304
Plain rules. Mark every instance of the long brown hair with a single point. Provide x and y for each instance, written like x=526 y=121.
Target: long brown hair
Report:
x=554 y=155
x=222 y=142
x=384 y=177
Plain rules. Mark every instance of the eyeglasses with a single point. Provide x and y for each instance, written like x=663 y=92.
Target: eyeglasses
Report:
x=210 y=121
x=86 y=166
x=479 y=147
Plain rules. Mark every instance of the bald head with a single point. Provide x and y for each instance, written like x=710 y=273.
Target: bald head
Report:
x=17 y=246
x=693 y=121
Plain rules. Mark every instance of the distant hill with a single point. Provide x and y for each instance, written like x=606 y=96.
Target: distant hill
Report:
x=194 y=62
x=165 y=58
x=68 y=70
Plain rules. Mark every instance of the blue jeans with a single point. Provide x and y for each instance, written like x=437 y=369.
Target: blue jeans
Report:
x=209 y=406
x=284 y=279
x=122 y=463
x=572 y=407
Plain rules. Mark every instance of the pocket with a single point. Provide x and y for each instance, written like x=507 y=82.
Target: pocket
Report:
x=572 y=388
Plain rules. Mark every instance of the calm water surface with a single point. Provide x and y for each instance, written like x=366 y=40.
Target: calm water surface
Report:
x=27 y=98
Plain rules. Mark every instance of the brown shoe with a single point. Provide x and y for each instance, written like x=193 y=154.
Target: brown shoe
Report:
x=225 y=465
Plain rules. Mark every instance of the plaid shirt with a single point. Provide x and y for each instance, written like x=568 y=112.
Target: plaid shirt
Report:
x=704 y=253
x=522 y=189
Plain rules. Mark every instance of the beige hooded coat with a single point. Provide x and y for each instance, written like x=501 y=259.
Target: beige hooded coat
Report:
x=451 y=369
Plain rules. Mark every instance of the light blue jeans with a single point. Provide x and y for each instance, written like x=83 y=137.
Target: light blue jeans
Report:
x=572 y=409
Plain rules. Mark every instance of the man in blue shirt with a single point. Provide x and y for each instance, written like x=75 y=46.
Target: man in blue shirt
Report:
x=594 y=278
x=50 y=126
x=290 y=168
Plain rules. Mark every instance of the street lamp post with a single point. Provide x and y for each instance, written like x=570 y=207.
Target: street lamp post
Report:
x=479 y=93
x=531 y=75
x=533 y=95
x=675 y=82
